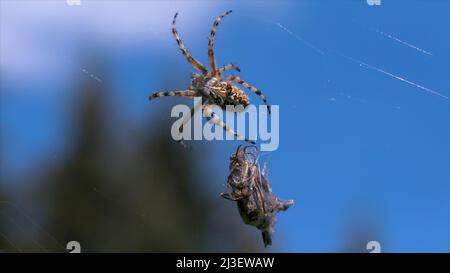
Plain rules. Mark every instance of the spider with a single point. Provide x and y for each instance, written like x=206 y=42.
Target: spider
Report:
x=210 y=84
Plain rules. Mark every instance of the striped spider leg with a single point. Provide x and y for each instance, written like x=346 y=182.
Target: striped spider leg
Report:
x=212 y=35
x=196 y=64
x=255 y=90
x=212 y=63
x=183 y=93
x=224 y=68
x=212 y=116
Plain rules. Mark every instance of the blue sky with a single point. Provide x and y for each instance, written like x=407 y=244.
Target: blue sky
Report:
x=359 y=146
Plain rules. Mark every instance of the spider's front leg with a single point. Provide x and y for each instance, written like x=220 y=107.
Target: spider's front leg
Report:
x=211 y=116
x=255 y=90
x=212 y=61
x=196 y=64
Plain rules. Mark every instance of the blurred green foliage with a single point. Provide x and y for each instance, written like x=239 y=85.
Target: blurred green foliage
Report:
x=141 y=195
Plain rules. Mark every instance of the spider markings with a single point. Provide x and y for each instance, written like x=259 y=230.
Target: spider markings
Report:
x=210 y=85
x=196 y=64
x=189 y=93
x=211 y=58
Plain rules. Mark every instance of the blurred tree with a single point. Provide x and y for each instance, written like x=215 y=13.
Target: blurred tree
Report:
x=147 y=197
x=5 y=244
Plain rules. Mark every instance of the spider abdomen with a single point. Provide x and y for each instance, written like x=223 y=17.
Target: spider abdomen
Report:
x=239 y=97
x=224 y=94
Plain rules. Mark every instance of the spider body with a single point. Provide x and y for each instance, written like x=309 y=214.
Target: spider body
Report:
x=219 y=92
x=210 y=85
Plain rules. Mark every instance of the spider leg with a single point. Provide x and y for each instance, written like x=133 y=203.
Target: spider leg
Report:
x=211 y=116
x=194 y=109
x=184 y=93
x=195 y=75
x=255 y=90
x=196 y=64
x=225 y=68
x=229 y=66
x=212 y=61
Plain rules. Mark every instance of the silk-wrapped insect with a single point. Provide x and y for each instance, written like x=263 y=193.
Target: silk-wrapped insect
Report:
x=249 y=186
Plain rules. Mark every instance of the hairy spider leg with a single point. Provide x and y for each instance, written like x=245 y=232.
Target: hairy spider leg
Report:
x=212 y=61
x=229 y=66
x=196 y=64
x=186 y=119
x=225 y=68
x=255 y=90
x=183 y=93
x=211 y=116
